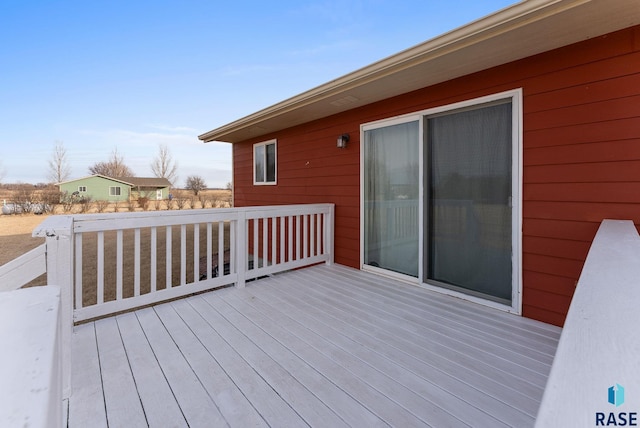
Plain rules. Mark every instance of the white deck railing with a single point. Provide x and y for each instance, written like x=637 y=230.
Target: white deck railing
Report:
x=599 y=345
x=120 y=262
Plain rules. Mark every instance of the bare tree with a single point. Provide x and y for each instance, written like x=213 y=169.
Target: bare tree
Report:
x=59 y=169
x=196 y=184
x=101 y=205
x=164 y=166
x=114 y=167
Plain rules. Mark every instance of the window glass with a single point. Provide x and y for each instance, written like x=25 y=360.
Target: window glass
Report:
x=468 y=203
x=264 y=163
x=271 y=162
x=259 y=160
x=391 y=192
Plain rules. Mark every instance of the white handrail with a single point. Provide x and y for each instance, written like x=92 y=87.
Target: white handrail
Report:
x=600 y=344
x=20 y=271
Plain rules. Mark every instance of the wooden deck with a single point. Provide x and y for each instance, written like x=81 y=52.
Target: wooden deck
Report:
x=325 y=346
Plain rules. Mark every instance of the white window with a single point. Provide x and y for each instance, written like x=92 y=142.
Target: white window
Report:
x=82 y=189
x=264 y=162
x=114 y=191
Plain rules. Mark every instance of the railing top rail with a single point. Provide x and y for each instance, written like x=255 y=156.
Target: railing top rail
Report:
x=598 y=348
x=18 y=272
x=286 y=210
x=56 y=225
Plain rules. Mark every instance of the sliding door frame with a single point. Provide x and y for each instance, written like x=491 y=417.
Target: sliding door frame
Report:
x=515 y=97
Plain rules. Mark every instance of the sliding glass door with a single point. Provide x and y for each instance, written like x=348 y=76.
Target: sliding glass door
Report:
x=438 y=192
x=468 y=201
x=391 y=203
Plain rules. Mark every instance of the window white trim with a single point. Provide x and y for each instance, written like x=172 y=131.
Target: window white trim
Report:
x=515 y=97
x=263 y=181
x=82 y=189
x=115 y=191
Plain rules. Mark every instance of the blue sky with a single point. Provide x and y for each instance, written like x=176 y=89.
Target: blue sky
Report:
x=100 y=75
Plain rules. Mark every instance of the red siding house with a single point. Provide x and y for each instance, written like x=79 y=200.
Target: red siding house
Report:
x=479 y=163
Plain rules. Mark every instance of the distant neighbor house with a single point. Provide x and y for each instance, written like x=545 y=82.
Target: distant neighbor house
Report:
x=479 y=163
x=102 y=188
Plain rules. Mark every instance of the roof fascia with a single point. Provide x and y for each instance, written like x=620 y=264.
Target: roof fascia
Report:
x=508 y=19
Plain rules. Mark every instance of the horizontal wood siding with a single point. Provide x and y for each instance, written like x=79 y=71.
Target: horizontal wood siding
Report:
x=310 y=169
x=581 y=158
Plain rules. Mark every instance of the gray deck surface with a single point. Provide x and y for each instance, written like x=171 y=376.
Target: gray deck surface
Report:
x=326 y=346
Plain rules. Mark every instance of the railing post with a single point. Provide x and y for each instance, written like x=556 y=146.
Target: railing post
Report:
x=241 y=247
x=58 y=231
x=329 y=232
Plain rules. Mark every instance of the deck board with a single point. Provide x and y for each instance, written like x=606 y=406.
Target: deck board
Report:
x=156 y=395
x=251 y=348
x=233 y=405
x=122 y=403
x=270 y=406
x=194 y=401
x=87 y=380
x=321 y=346
x=441 y=388
x=392 y=392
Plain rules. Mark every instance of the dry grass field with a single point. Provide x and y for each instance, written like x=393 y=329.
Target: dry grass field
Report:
x=15 y=235
x=15 y=240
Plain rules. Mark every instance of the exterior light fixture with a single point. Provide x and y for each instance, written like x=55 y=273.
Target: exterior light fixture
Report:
x=342 y=141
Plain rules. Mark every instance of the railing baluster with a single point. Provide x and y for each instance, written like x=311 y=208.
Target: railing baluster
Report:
x=196 y=253
x=290 y=239
x=136 y=262
x=282 y=241
x=183 y=254
x=242 y=237
x=305 y=235
x=312 y=235
x=78 y=270
x=209 y=251
x=154 y=261
x=274 y=241
x=320 y=225
x=220 y=248
x=298 y=237
x=100 y=269
x=168 y=264
x=256 y=259
x=265 y=241
x=233 y=248
x=119 y=264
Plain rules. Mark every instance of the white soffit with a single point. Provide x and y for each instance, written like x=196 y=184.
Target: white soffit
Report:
x=522 y=30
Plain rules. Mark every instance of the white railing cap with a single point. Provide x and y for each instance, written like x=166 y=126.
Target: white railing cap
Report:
x=55 y=225
x=600 y=344
x=31 y=391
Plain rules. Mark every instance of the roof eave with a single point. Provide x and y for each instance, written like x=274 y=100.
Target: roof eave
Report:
x=494 y=33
